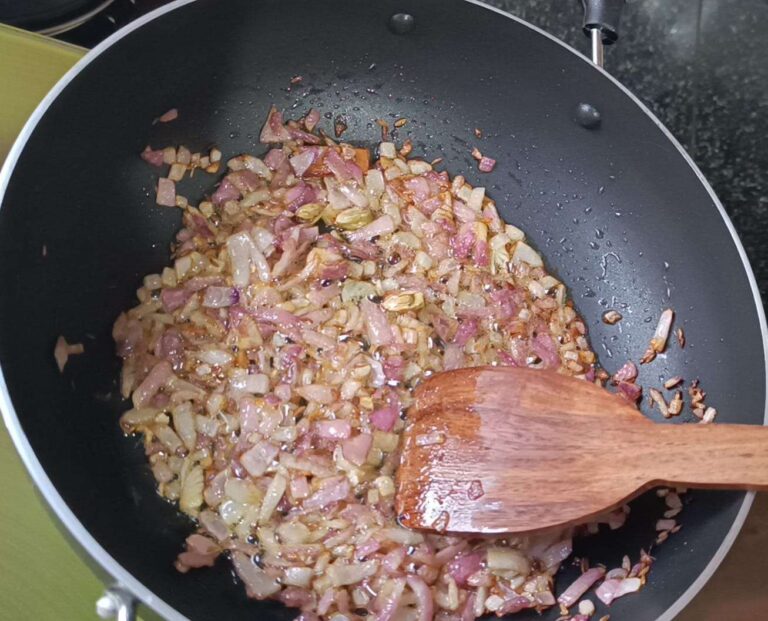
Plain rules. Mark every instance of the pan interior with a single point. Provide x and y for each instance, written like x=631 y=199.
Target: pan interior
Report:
x=617 y=212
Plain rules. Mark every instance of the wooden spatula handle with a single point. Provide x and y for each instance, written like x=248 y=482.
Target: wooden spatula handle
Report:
x=708 y=456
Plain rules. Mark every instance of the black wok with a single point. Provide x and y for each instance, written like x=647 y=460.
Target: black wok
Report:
x=619 y=211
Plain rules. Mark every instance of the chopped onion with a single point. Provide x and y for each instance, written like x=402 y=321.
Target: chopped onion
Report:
x=257 y=383
x=377 y=228
x=317 y=392
x=507 y=559
x=166 y=192
x=660 y=336
x=609 y=590
x=355 y=450
x=301 y=162
x=219 y=297
x=257 y=459
x=465 y=565
x=341 y=575
x=525 y=254
x=274 y=130
x=627 y=373
x=390 y=597
x=333 y=429
x=312 y=118
x=630 y=391
x=270 y=362
x=379 y=330
x=332 y=490
x=257 y=582
x=154 y=157
x=423 y=597
x=580 y=586
x=64 y=350
x=170 y=115
x=272 y=497
x=486 y=164
x=158 y=377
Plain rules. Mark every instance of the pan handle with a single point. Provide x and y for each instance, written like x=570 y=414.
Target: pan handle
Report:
x=601 y=24
x=118 y=604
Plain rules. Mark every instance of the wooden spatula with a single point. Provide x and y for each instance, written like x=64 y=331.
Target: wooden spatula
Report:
x=507 y=450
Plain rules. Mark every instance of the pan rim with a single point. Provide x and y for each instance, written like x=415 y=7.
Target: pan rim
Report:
x=95 y=550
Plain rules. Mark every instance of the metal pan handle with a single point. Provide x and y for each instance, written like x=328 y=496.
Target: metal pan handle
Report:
x=601 y=24
x=117 y=604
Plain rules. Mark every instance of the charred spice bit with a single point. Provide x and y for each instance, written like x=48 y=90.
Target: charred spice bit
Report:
x=339 y=126
x=612 y=317
x=478 y=132
x=680 y=337
x=400 y=123
x=297 y=79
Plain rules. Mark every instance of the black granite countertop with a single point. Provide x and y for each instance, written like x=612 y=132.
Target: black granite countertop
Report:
x=699 y=65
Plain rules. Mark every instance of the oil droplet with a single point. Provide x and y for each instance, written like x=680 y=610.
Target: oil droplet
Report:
x=475 y=490
x=599 y=234
x=594 y=245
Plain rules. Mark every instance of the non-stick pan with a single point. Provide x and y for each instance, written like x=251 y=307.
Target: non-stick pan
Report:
x=618 y=209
